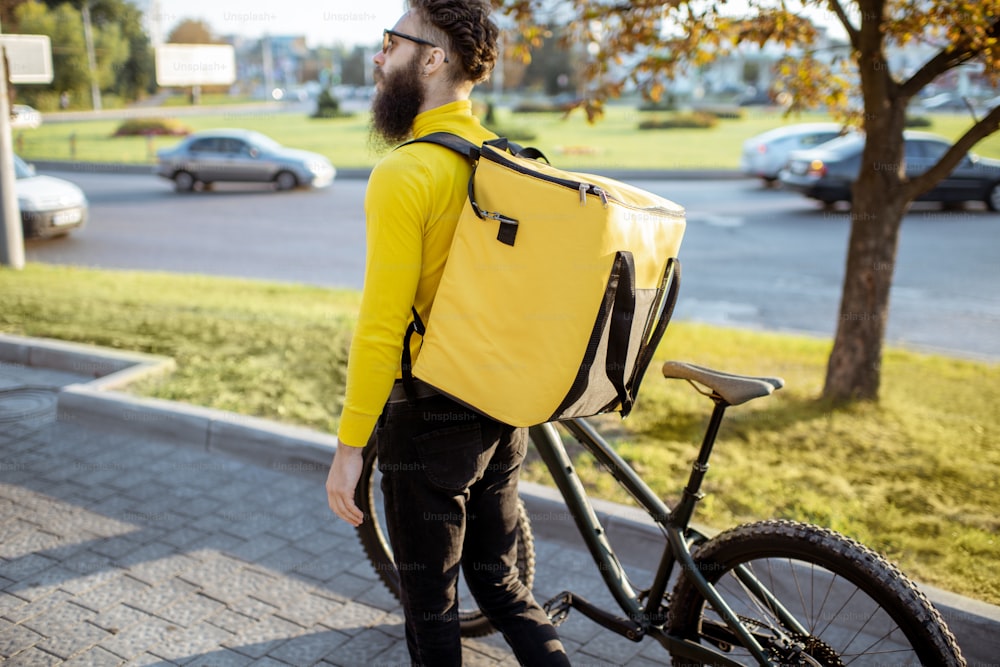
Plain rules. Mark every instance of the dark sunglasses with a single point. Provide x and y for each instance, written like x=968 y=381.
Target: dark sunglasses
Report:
x=387 y=36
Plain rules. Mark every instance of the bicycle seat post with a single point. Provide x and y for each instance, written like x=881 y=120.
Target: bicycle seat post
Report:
x=681 y=515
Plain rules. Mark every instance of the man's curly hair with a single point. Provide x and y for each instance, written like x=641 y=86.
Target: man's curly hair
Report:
x=464 y=29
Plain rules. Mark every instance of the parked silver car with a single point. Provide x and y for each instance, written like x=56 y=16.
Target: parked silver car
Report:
x=241 y=155
x=765 y=155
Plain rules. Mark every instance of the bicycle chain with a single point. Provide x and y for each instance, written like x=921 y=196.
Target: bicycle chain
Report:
x=820 y=653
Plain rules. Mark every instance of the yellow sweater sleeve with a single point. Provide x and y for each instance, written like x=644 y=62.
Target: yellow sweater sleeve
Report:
x=398 y=199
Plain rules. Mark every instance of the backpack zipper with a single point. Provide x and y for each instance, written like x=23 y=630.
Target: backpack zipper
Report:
x=583 y=188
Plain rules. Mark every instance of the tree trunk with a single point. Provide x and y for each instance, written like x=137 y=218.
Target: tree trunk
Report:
x=855 y=364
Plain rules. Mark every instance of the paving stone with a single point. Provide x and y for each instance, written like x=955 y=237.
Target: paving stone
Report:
x=187 y=644
x=117 y=547
x=221 y=658
x=199 y=506
x=257 y=547
x=138 y=639
x=9 y=604
x=71 y=640
x=234 y=622
x=83 y=583
x=16 y=639
x=183 y=537
x=361 y=649
x=286 y=559
x=263 y=637
x=379 y=596
x=281 y=591
x=95 y=657
x=395 y=656
x=307 y=649
x=209 y=569
x=308 y=610
x=59 y=619
x=323 y=540
x=35 y=607
x=20 y=567
x=153 y=598
x=215 y=541
x=296 y=528
x=190 y=610
x=323 y=567
x=351 y=586
x=34 y=657
x=248 y=606
x=102 y=597
x=159 y=563
x=268 y=661
x=353 y=618
x=120 y=617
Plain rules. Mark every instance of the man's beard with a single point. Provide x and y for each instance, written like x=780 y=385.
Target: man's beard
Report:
x=397 y=102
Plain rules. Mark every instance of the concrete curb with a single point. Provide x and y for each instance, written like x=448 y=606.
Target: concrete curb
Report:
x=303 y=451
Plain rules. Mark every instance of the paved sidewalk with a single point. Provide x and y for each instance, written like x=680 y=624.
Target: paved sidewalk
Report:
x=120 y=548
x=124 y=550
x=148 y=533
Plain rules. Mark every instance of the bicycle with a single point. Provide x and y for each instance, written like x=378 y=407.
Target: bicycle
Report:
x=763 y=593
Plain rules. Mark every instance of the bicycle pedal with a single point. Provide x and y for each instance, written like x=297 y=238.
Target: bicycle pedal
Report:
x=557 y=608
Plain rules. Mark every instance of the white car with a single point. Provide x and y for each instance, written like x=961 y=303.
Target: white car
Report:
x=49 y=206
x=765 y=155
x=21 y=115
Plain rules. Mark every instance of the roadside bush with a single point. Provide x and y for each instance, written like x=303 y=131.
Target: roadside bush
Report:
x=665 y=103
x=513 y=132
x=136 y=127
x=698 y=120
x=723 y=111
x=560 y=104
x=918 y=121
x=328 y=106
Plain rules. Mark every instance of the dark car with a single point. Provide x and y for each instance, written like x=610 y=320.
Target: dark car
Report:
x=827 y=171
x=241 y=155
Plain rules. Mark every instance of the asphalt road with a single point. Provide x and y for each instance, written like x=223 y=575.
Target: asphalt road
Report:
x=752 y=257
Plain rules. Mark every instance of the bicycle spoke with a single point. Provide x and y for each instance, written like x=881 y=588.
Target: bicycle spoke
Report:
x=802 y=610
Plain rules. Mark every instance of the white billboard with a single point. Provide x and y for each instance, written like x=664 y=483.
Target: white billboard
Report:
x=195 y=65
x=29 y=58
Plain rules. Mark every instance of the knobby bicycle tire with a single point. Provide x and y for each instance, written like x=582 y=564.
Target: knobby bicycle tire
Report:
x=375 y=542
x=856 y=607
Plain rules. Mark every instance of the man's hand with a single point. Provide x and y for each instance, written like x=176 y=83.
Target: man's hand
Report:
x=345 y=471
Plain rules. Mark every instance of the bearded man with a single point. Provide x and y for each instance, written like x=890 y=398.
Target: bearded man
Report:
x=449 y=474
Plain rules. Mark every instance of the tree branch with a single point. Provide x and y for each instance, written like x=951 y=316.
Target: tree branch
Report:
x=852 y=32
x=947 y=58
x=982 y=129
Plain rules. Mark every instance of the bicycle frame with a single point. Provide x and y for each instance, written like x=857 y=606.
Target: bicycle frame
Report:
x=644 y=617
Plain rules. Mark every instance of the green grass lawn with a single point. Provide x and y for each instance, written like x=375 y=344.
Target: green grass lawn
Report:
x=569 y=142
x=916 y=476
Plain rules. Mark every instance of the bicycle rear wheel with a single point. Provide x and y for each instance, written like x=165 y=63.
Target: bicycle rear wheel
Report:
x=853 y=606
x=374 y=538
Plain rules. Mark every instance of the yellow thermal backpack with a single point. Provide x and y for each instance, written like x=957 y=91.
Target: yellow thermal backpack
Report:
x=557 y=289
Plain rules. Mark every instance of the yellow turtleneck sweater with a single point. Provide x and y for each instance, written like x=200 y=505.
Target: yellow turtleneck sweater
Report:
x=414 y=199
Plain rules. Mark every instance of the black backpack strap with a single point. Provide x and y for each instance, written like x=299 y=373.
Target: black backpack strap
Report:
x=406 y=365
x=469 y=150
x=462 y=146
x=622 y=281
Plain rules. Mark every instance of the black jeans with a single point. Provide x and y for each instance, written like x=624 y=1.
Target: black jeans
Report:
x=449 y=477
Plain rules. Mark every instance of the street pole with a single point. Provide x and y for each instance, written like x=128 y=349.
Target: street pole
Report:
x=11 y=232
x=88 y=36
